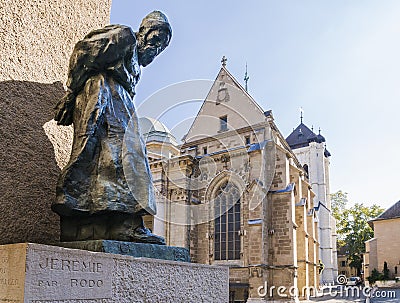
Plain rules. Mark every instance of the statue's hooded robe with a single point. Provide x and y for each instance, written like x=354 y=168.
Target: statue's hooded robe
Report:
x=103 y=175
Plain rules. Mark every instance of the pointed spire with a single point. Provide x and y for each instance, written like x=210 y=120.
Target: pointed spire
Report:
x=246 y=78
x=320 y=137
x=223 y=61
x=301 y=114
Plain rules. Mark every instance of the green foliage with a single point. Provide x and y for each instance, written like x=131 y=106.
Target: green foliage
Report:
x=352 y=226
x=338 y=205
x=375 y=276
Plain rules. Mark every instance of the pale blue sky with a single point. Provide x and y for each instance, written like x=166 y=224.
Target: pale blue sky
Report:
x=339 y=60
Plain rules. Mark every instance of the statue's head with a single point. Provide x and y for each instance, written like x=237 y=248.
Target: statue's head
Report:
x=153 y=37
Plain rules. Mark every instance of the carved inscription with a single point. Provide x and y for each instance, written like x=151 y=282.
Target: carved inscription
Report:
x=64 y=276
x=8 y=281
x=12 y=273
x=71 y=265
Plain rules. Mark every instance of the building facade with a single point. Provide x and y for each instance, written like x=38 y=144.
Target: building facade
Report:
x=343 y=263
x=310 y=149
x=384 y=247
x=235 y=194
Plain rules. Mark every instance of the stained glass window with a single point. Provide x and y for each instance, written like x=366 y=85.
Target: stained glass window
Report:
x=227 y=223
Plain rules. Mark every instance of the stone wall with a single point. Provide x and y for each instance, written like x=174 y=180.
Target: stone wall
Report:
x=318 y=169
x=37 y=39
x=38 y=36
x=387 y=247
x=370 y=257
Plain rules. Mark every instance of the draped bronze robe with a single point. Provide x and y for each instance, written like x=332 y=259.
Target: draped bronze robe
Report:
x=103 y=73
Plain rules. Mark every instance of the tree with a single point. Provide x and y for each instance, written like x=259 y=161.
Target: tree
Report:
x=338 y=202
x=352 y=226
x=375 y=276
x=338 y=205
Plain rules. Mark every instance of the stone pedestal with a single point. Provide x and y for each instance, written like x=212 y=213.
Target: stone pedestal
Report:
x=37 y=273
x=138 y=250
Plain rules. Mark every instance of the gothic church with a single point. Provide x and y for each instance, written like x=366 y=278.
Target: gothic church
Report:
x=236 y=193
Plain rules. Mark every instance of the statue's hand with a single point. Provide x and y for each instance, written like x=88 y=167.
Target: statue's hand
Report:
x=65 y=109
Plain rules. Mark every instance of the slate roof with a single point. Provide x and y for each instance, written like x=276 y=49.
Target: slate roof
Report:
x=253 y=147
x=288 y=189
x=343 y=250
x=257 y=146
x=302 y=136
x=392 y=212
x=321 y=204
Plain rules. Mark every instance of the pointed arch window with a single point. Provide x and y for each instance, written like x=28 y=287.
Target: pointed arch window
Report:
x=227 y=223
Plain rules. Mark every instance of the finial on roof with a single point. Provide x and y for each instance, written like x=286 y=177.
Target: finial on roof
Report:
x=301 y=114
x=319 y=131
x=312 y=128
x=246 y=78
x=223 y=61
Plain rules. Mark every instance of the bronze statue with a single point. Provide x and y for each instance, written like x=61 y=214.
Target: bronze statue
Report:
x=93 y=198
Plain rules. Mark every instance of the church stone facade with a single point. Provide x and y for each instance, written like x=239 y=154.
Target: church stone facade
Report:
x=311 y=151
x=236 y=195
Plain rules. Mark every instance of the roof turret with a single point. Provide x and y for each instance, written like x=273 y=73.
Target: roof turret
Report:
x=153 y=130
x=301 y=137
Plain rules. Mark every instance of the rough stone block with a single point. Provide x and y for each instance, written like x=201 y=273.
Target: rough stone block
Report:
x=35 y=273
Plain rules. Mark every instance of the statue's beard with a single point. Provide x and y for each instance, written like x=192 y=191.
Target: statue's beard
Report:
x=146 y=56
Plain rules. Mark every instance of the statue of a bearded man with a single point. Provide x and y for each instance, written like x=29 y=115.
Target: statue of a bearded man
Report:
x=93 y=198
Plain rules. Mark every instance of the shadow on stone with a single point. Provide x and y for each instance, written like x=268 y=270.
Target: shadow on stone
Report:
x=29 y=171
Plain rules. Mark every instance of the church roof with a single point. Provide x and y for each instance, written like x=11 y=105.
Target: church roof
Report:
x=149 y=125
x=301 y=136
x=391 y=213
x=153 y=130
